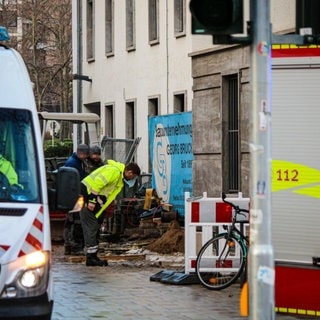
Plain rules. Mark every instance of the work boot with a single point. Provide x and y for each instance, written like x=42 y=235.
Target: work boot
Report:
x=77 y=251
x=93 y=261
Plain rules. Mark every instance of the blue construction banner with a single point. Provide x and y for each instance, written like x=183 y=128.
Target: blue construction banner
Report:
x=171 y=157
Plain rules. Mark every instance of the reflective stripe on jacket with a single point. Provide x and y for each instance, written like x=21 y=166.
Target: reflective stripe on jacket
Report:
x=107 y=181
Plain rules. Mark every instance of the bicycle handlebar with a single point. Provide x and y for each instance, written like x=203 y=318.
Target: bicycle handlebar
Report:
x=235 y=207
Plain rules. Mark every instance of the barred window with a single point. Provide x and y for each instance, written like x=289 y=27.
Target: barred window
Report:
x=231 y=149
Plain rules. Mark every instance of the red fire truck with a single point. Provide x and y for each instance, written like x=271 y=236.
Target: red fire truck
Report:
x=296 y=178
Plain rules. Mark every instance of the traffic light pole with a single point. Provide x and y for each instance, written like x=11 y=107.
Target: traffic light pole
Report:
x=261 y=272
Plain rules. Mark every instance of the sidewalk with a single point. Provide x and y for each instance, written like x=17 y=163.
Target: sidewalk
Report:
x=124 y=291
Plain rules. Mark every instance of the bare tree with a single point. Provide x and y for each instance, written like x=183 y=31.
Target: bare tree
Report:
x=41 y=31
x=8 y=17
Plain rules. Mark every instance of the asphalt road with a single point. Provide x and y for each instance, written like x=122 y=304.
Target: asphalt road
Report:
x=124 y=291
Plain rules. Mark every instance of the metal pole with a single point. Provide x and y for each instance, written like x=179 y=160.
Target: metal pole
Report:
x=261 y=260
x=76 y=65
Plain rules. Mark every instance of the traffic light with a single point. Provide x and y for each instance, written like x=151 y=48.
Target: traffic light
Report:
x=307 y=16
x=217 y=17
x=307 y=20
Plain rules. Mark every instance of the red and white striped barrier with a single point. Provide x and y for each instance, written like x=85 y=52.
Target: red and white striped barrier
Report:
x=202 y=215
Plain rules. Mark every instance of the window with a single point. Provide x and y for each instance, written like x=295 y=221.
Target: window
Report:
x=109 y=27
x=179 y=17
x=153 y=106
x=231 y=158
x=19 y=176
x=153 y=110
x=179 y=102
x=153 y=21
x=8 y=18
x=108 y=131
x=90 y=30
x=14 y=20
x=130 y=24
x=130 y=121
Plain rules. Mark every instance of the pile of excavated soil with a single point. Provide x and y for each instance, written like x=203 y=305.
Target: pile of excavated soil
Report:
x=171 y=241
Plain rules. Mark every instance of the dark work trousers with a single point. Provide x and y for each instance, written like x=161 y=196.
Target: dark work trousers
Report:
x=73 y=235
x=91 y=227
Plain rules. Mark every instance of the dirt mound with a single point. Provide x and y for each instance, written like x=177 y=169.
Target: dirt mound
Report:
x=171 y=241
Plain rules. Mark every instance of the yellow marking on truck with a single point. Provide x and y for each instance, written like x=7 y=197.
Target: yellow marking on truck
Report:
x=297 y=311
x=289 y=175
x=311 y=192
x=294 y=46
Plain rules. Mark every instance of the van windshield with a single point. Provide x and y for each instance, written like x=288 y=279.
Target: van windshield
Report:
x=18 y=162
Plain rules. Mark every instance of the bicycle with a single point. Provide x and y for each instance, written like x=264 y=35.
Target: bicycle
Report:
x=223 y=258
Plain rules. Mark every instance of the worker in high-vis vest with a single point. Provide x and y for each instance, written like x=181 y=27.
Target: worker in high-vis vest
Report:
x=100 y=188
x=8 y=171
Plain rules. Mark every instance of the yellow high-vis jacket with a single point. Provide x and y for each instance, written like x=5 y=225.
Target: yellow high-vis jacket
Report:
x=106 y=181
x=7 y=169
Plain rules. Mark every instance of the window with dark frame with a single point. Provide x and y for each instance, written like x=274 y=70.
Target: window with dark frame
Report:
x=231 y=148
x=153 y=107
x=179 y=102
x=109 y=127
x=153 y=110
x=130 y=123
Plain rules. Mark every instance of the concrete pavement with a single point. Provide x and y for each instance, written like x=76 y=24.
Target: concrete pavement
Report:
x=119 y=292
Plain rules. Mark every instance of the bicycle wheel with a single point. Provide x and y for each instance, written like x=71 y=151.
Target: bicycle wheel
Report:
x=220 y=262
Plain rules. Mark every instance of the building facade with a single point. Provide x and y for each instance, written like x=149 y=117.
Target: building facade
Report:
x=221 y=106
x=141 y=60
x=137 y=54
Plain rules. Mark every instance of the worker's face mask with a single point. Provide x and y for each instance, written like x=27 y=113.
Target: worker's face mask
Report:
x=130 y=183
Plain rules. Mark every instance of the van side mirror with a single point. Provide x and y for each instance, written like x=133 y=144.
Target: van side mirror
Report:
x=68 y=188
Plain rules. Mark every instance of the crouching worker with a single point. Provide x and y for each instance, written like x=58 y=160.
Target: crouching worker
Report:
x=100 y=188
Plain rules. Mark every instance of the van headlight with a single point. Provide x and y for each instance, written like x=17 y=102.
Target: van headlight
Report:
x=32 y=278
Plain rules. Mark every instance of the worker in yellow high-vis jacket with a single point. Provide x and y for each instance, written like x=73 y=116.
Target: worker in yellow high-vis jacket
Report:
x=100 y=188
x=8 y=171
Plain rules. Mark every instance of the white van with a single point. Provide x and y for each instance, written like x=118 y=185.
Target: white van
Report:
x=25 y=243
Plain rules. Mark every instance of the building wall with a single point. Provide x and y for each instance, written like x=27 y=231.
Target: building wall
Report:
x=208 y=71
x=160 y=70
x=190 y=63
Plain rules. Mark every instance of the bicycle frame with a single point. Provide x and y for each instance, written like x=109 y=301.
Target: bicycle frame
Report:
x=238 y=234
x=223 y=258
